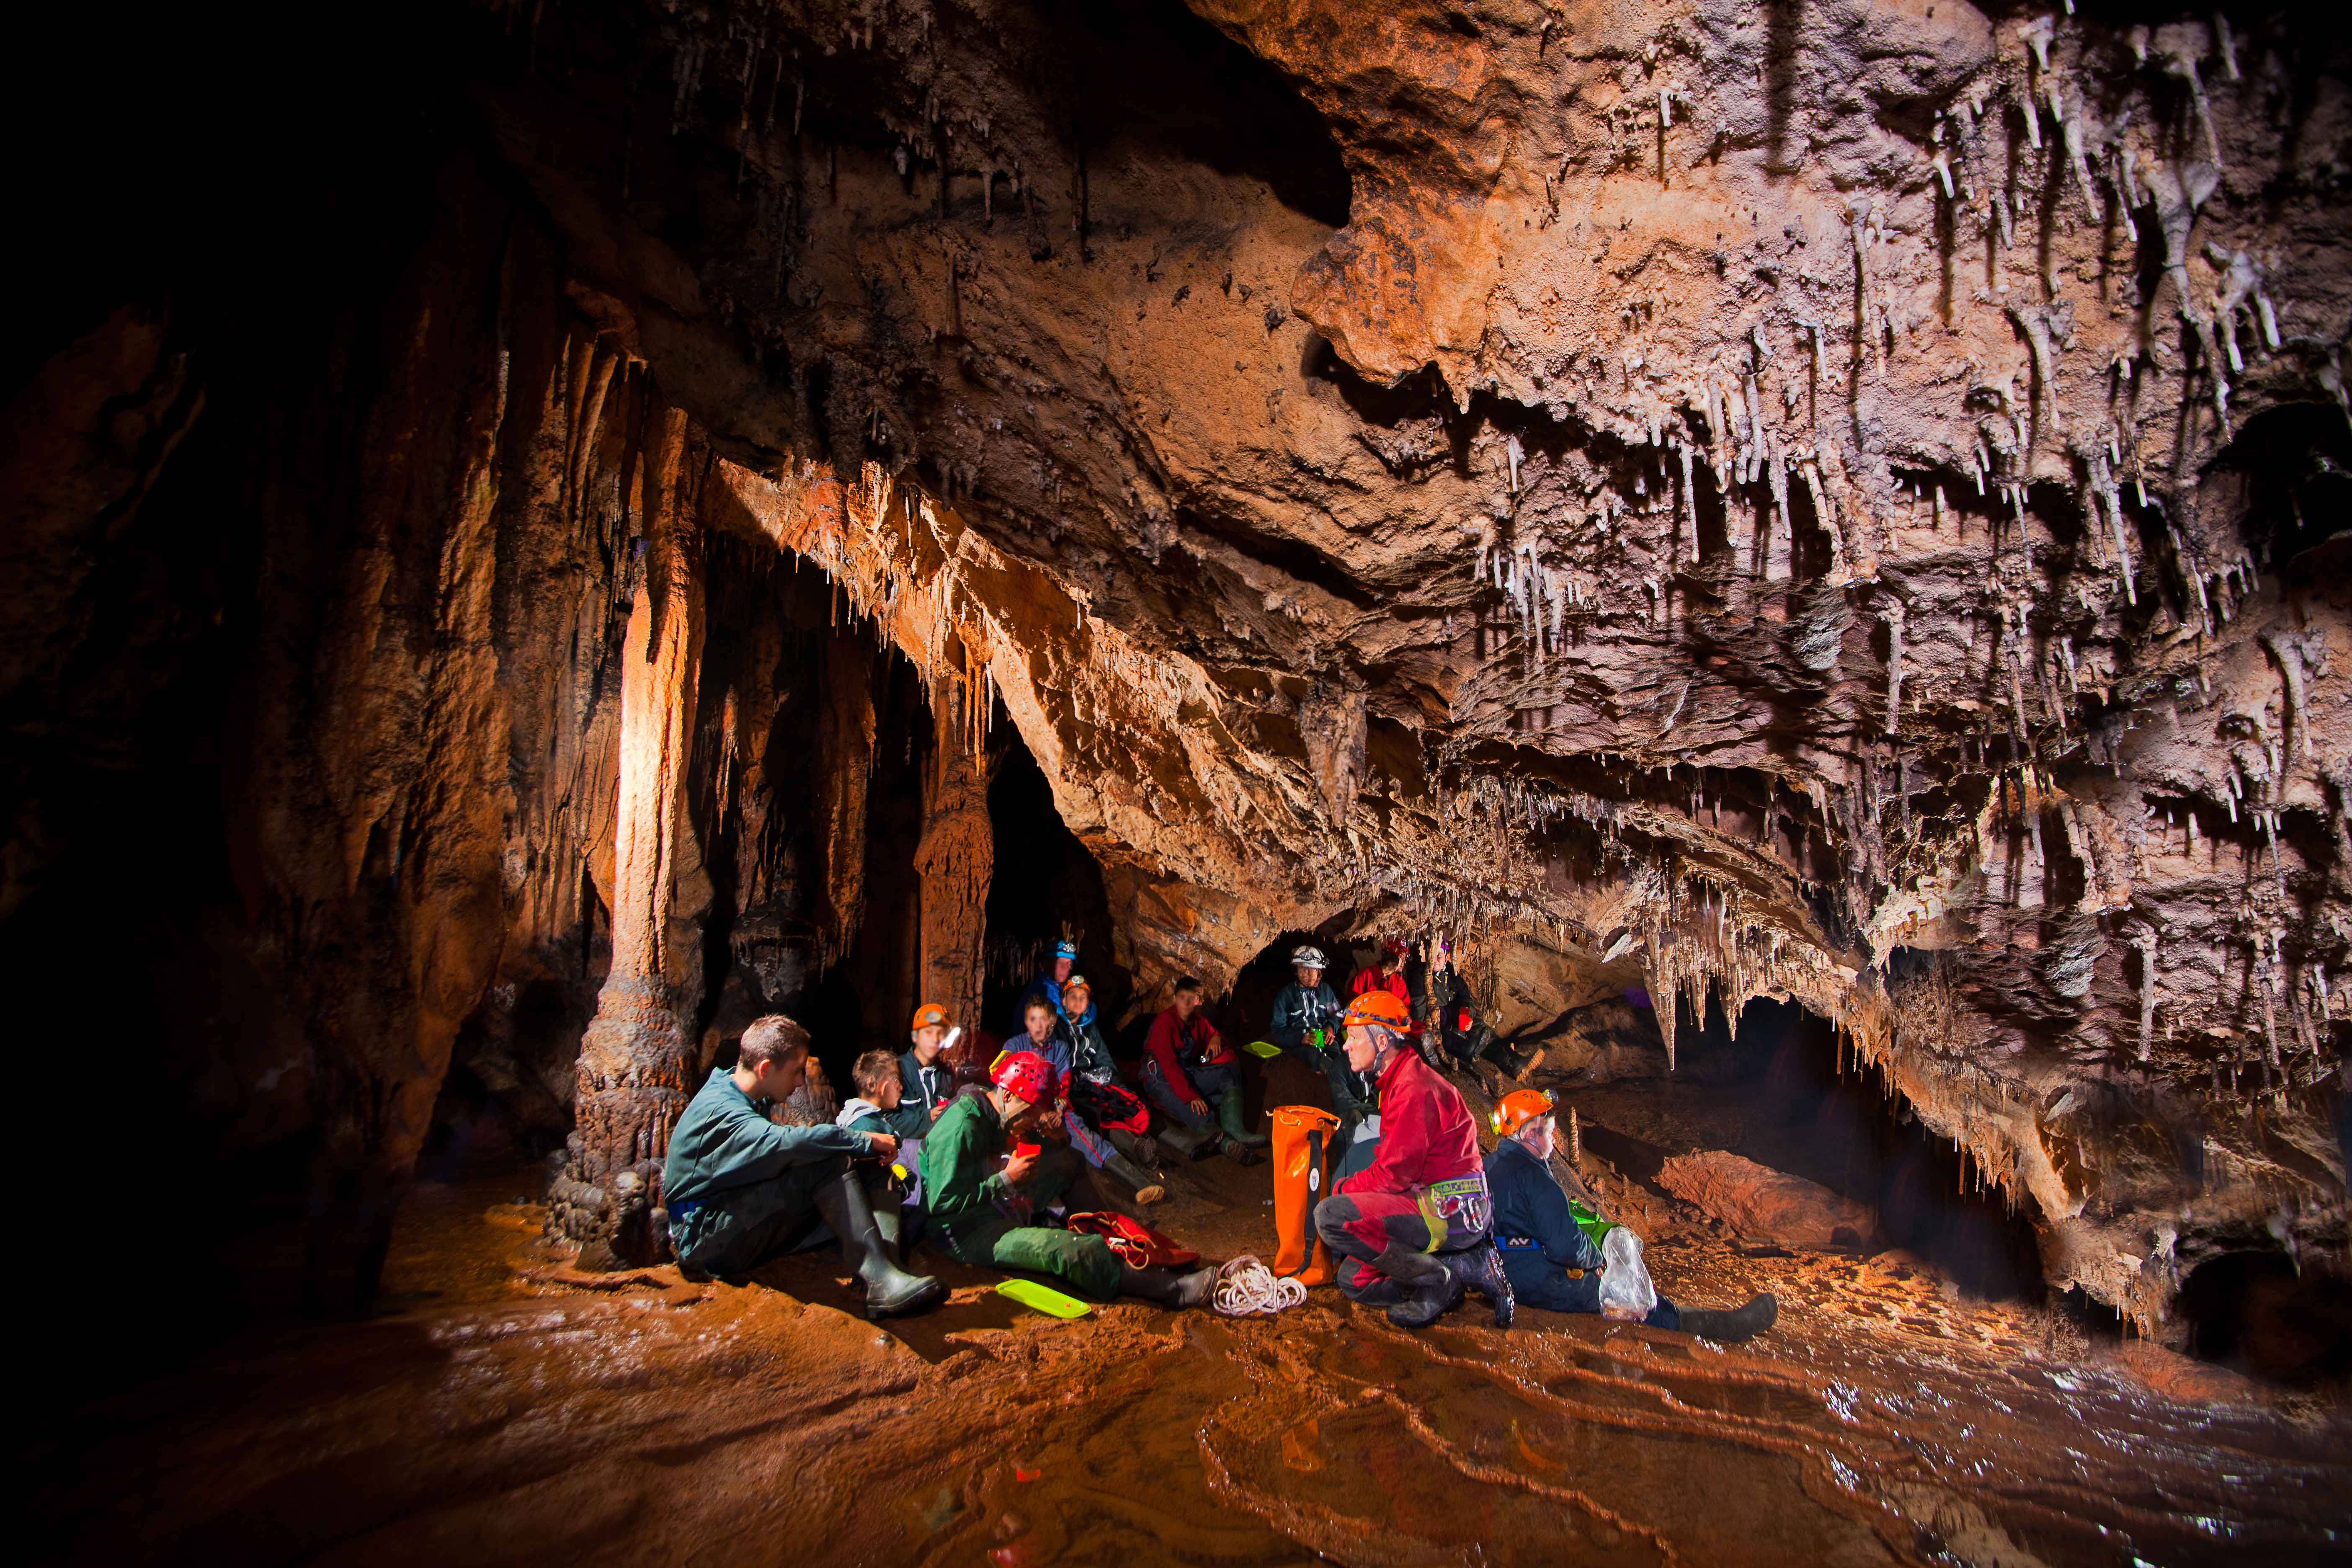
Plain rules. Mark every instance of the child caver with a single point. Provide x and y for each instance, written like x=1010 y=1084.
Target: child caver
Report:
x=880 y=1106
x=983 y=1214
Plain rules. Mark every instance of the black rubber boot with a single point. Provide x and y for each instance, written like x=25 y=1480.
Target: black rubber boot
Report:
x=1144 y=1151
x=1740 y=1323
x=1148 y=1190
x=1509 y=1062
x=1188 y=1144
x=1233 y=1114
x=1427 y=1286
x=1480 y=1268
x=1166 y=1287
x=889 y=1290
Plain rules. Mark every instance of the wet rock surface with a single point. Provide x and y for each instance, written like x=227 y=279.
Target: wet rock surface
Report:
x=504 y=1405
x=1759 y=1202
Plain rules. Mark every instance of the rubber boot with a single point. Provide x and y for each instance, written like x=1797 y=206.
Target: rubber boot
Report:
x=1165 y=1287
x=1188 y=1143
x=1146 y=1190
x=1144 y=1151
x=1730 y=1327
x=1480 y=1268
x=1510 y=1063
x=1239 y=1146
x=1301 y=1134
x=1427 y=1286
x=888 y=1288
x=1233 y=1113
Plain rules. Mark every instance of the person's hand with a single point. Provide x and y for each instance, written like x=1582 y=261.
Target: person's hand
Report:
x=1200 y=1107
x=938 y=1112
x=1017 y=1168
x=884 y=1145
x=1052 y=1121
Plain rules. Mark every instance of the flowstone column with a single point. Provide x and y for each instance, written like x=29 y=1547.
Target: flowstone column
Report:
x=955 y=860
x=631 y=1081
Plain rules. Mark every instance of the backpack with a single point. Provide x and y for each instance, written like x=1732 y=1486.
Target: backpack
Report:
x=1137 y=1244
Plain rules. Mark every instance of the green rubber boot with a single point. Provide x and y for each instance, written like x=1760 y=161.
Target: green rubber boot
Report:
x=1236 y=1145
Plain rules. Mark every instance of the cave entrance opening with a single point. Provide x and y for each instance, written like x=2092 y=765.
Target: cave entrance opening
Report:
x=1780 y=1091
x=1047 y=887
x=2258 y=1311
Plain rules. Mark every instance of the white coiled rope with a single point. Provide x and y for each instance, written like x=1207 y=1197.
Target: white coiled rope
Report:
x=1246 y=1288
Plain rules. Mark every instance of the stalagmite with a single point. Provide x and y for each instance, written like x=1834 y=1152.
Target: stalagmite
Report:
x=631 y=1079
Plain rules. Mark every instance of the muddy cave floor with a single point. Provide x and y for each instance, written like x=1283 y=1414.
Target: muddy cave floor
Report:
x=503 y=1407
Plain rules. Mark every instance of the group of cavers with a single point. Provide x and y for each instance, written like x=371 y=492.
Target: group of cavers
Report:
x=1005 y=1172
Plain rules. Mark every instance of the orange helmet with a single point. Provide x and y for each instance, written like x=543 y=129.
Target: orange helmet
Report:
x=1520 y=1106
x=929 y=1014
x=1380 y=1009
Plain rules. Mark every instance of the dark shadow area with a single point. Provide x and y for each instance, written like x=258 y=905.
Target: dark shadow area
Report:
x=2256 y=1312
x=1844 y=1127
x=1149 y=71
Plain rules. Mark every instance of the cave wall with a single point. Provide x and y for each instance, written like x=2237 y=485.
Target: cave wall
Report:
x=1830 y=501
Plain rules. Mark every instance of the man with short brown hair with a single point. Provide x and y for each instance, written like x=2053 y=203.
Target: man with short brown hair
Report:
x=741 y=1189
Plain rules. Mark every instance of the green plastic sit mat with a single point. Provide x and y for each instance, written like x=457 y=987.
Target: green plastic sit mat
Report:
x=1044 y=1298
x=1265 y=1049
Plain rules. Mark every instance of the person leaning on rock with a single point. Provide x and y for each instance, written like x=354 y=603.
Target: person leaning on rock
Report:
x=1553 y=1262
x=741 y=1189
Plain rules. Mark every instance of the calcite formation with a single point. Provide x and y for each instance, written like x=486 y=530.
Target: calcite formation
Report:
x=1834 y=501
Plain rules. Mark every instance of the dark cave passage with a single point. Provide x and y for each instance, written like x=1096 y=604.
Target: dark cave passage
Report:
x=1047 y=888
x=2260 y=1312
x=1802 y=1111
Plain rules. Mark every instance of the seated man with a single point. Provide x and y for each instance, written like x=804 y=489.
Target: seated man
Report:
x=1412 y=1228
x=926 y=1076
x=1454 y=1017
x=879 y=1107
x=1105 y=1149
x=741 y=1189
x=1553 y=1261
x=981 y=1210
x=1306 y=1025
x=1186 y=1068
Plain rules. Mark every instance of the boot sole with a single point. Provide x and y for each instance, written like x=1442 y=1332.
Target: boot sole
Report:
x=936 y=1292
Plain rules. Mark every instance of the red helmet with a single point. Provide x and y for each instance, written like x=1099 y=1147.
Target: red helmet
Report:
x=1023 y=1074
x=1396 y=947
x=1382 y=1010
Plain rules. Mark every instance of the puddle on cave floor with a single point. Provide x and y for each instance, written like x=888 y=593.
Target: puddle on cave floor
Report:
x=499 y=1409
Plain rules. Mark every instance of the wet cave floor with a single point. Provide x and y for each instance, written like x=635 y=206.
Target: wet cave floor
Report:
x=503 y=1408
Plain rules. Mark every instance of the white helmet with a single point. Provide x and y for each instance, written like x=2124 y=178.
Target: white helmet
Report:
x=1309 y=958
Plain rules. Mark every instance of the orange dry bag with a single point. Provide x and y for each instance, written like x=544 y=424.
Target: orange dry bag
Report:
x=1300 y=1135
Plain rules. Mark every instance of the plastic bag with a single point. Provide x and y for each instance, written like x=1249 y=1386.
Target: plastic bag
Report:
x=1626 y=1293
